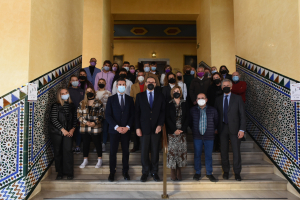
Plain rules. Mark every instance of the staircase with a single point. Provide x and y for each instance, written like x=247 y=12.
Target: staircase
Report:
x=257 y=175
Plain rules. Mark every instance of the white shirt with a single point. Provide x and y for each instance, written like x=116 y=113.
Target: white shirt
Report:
x=183 y=88
x=127 y=89
x=201 y=78
x=171 y=85
x=162 y=78
x=148 y=96
x=119 y=96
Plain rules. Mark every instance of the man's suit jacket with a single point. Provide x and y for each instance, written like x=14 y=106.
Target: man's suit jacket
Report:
x=236 y=113
x=114 y=114
x=148 y=119
x=166 y=90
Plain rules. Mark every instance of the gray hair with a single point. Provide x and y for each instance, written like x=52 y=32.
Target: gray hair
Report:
x=226 y=80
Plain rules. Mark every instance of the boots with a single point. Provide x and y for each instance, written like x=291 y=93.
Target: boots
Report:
x=173 y=174
x=179 y=177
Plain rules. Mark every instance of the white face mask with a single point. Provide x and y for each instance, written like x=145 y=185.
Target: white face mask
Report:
x=141 y=78
x=201 y=102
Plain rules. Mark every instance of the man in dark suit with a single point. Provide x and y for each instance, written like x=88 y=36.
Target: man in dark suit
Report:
x=119 y=114
x=149 y=119
x=232 y=125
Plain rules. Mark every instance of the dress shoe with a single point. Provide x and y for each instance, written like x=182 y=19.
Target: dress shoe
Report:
x=179 y=177
x=126 y=176
x=225 y=175
x=59 y=177
x=111 y=177
x=238 y=177
x=133 y=150
x=155 y=177
x=144 y=177
x=211 y=178
x=197 y=177
x=70 y=177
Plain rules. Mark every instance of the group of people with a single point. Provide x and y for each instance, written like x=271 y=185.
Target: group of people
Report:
x=117 y=101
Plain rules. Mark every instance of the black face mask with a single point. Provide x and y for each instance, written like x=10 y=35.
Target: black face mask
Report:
x=226 y=90
x=123 y=76
x=179 y=78
x=217 y=81
x=101 y=85
x=188 y=71
x=82 y=78
x=172 y=80
x=176 y=95
x=90 y=95
x=150 y=86
x=224 y=71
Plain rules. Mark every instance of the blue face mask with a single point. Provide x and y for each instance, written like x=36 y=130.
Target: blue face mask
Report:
x=153 y=68
x=65 y=97
x=127 y=68
x=75 y=83
x=121 y=89
x=147 y=69
x=106 y=68
x=235 y=78
x=192 y=72
x=214 y=71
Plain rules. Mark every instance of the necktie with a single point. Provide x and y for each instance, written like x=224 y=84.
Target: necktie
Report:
x=122 y=102
x=225 y=110
x=151 y=100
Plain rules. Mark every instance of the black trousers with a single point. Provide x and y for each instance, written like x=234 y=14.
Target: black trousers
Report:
x=115 y=138
x=136 y=140
x=150 y=143
x=87 y=141
x=235 y=144
x=63 y=155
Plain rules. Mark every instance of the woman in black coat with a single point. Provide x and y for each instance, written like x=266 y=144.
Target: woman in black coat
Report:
x=61 y=129
x=214 y=90
x=177 y=114
x=170 y=82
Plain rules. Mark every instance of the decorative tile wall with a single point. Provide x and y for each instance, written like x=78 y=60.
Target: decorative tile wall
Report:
x=273 y=119
x=19 y=120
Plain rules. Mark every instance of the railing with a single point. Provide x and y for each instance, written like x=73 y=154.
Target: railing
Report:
x=165 y=151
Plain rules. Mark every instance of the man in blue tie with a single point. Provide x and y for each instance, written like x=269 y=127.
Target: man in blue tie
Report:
x=119 y=114
x=149 y=119
x=232 y=125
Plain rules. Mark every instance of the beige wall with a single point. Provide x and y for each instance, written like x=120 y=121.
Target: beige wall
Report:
x=267 y=33
x=174 y=51
x=14 y=47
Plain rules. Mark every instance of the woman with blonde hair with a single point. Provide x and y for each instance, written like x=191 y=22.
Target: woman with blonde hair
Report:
x=90 y=114
x=169 y=83
x=61 y=128
x=177 y=116
x=103 y=94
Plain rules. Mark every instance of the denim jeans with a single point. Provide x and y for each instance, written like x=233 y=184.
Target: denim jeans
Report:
x=104 y=130
x=208 y=149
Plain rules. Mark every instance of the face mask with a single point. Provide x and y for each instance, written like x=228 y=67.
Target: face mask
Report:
x=65 y=97
x=176 y=95
x=214 y=71
x=93 y=63
x=83 y=78
x=75 y=83
x=172 y=80
x=150 y=86
x=224 y=71
x=153 y=68
x=217 y=81
x=201 y=102
x=192 y=72
x=141 y=78
x=132 y=71
x=147 y=69
x=90 y=95
x=200 y=74
x=106 y=68
x=127 y=68
x=114 y=69
x=121 y=88
x=123 y=76
x=101 y=85
x=167 y=71
x=235 y=78
x=188 y=71
x=179 y=78
x=226 y=90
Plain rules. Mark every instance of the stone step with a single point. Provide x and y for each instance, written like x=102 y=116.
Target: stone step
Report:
x=258 y=166
x=99 y=182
